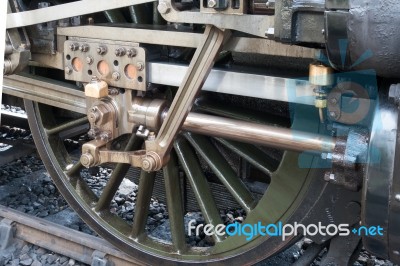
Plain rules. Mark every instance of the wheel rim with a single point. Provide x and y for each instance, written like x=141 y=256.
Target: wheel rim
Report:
x=290 y=186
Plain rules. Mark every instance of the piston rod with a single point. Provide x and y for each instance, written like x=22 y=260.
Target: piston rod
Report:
x=277 y=137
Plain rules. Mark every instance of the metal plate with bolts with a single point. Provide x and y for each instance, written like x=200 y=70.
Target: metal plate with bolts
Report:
x=120 y=64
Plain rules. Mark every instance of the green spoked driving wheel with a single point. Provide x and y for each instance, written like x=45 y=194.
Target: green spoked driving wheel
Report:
x=200 y=160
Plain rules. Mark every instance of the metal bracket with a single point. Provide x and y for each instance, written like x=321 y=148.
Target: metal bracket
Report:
x=243 y=23
x=99 y=259
x=349 y=155
x=7 y=231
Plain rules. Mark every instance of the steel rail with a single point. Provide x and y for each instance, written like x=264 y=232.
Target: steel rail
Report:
x=62 y=240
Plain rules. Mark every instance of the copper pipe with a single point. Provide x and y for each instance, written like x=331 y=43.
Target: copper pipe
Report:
x=282 y=138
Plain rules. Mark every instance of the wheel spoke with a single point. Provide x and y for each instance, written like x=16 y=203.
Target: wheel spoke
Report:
x=199 y=184
x=67 y=126
x=146 y=185
x=253 y=155
x=117 y=176
x=174 y=203
x=222 y=170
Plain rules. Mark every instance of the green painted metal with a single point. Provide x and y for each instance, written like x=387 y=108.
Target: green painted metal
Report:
x=222 y=170
x=68 y=125
x=199 y=184
x=174 y=203
x=143 y=199
x=117 y=176
x=114 y=16
x=253 y=155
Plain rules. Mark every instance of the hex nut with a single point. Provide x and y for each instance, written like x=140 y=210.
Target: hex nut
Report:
x=120 y=51
x=131 y=52
x=397 y=197
x=211 y=3
x=320 y=75
x=84 y=48
x=89 y=60
x=101 y=50
x=163 y=7
x=68 y=70
x=97 y=89
x=394 y=94
x=74 y=46
x=116 y=76
x=139 y=66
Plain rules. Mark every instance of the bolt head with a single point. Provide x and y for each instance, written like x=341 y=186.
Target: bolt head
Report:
x=89 y=60
x=163 y=7
x=84 y=48
x=146 y=165
x=68 y=70
x=397 y=197
x=211 y=3
x=139 y=66
x=152 y=136
x=120 y=51
x=131 y=53
x=116 y=76
x=101 y=50
x=270 y=33
x=87 y=160
x=333 y=114
x=394 y=93
x=74 y=46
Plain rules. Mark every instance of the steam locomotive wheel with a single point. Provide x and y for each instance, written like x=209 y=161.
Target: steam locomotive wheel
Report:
x=288 y=197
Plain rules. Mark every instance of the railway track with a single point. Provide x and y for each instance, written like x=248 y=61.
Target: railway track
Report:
x=88 y=249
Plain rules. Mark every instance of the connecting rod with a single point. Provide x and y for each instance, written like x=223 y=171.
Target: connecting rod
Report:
x=199 y=68
x=265 y=135
x=271 y=136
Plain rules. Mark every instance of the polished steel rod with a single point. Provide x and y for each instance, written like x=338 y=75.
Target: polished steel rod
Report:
x=282 y=138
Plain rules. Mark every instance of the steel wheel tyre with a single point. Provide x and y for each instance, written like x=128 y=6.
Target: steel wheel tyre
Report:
x=288 y=198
